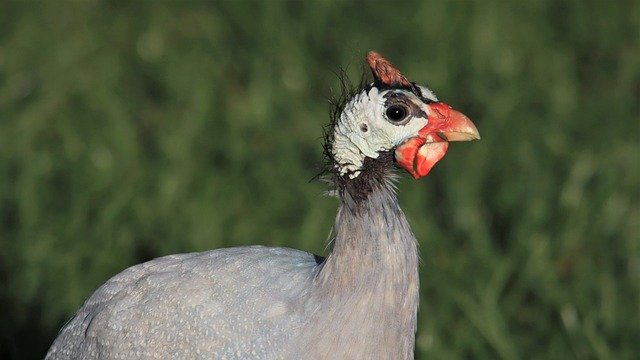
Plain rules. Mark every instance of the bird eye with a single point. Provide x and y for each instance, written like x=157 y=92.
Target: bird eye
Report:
x=396 y=113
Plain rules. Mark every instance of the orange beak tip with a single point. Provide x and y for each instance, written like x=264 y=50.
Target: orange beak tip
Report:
x=454 y=126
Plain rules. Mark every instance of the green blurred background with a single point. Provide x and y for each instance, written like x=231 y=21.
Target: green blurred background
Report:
x=131 y=130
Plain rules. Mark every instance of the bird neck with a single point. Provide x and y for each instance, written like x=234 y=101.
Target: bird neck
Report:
x=373 y=241
x=374 y=262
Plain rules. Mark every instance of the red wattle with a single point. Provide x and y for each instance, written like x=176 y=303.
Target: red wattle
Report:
x=428 y=155
x=405 y=155
x=418 y=157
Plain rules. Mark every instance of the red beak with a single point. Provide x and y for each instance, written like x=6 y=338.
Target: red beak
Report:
x=419 y=154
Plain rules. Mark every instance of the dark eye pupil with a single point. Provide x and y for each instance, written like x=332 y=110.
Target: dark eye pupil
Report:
x=396 y=113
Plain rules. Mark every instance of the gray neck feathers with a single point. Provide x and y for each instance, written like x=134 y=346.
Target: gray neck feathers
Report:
x=371 y=275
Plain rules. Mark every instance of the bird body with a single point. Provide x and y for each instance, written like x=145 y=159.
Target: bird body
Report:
x=277 y=303
x=165 y=308
x=212 y=304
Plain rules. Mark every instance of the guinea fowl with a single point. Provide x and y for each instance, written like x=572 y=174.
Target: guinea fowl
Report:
x=277 y=303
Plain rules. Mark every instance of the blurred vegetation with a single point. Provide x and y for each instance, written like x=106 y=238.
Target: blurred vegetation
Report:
x=131 y=130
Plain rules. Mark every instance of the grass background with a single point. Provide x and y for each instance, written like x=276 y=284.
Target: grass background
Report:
x=135 y=129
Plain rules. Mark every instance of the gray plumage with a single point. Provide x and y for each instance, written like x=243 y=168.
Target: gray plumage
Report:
x=264 y=303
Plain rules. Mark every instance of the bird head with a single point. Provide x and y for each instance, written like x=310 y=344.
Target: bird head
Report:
x=394 y=114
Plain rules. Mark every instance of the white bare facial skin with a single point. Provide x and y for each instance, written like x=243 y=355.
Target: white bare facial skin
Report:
x=363 y=129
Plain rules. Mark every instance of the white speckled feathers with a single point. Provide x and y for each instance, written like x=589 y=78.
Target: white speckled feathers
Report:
x=208 y=304
x=264 y=303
